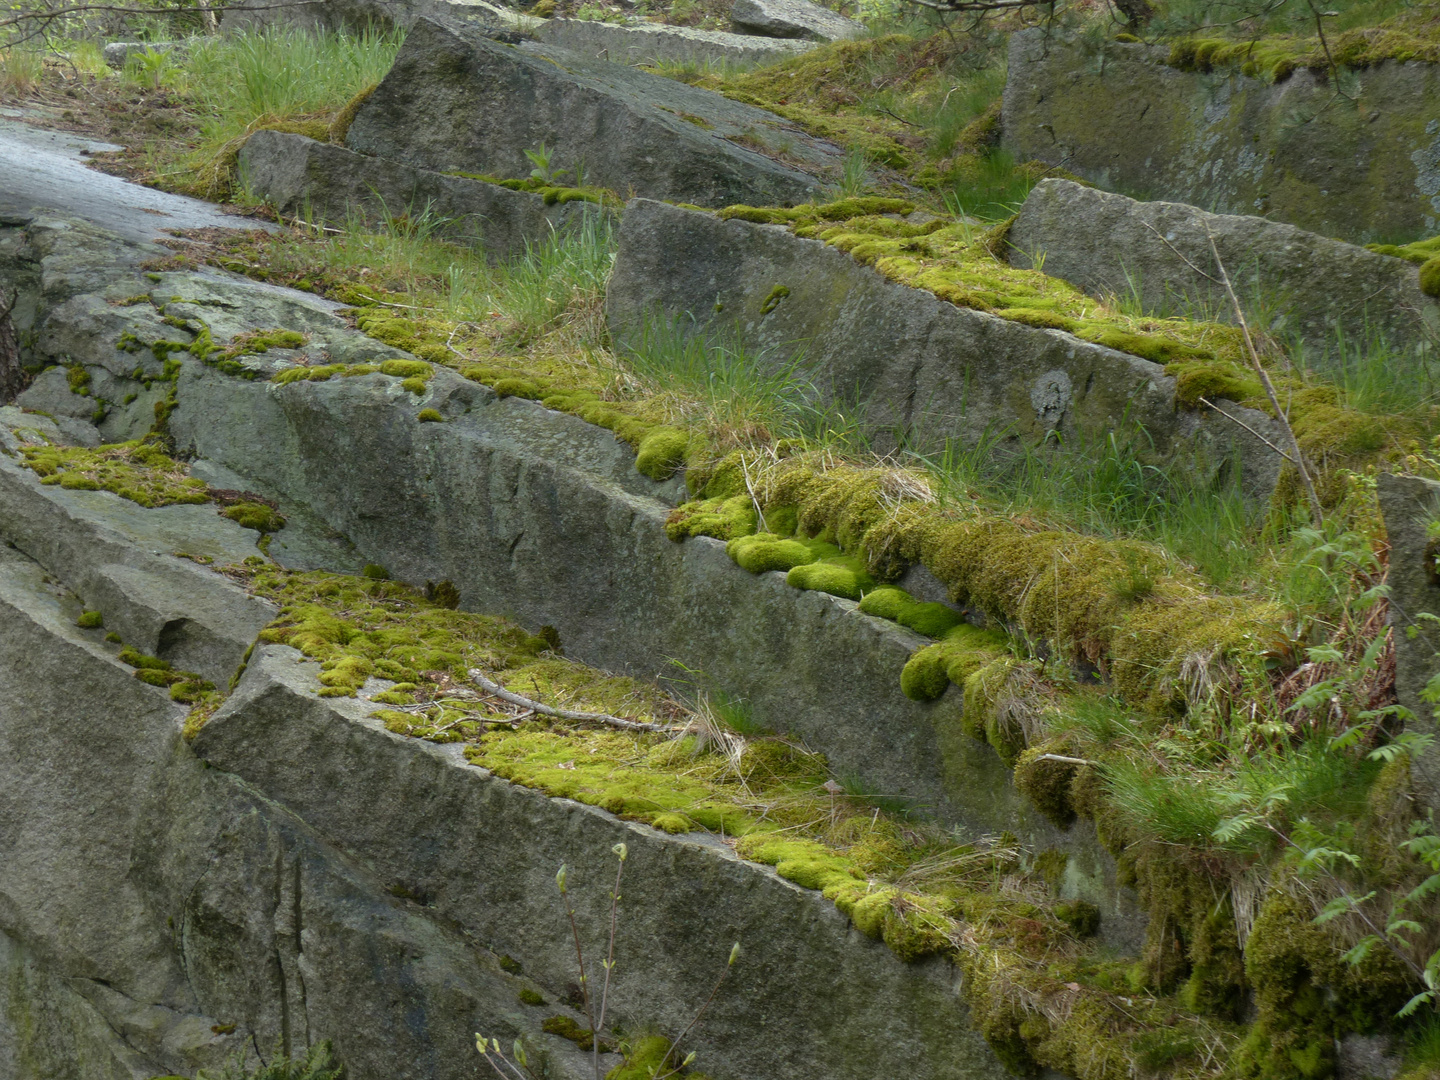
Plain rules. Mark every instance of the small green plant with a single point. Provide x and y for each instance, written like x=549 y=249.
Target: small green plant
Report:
x=596 y=1004
x=543 y=171
x=152 y=68
x=741 y=395
x=855 y=173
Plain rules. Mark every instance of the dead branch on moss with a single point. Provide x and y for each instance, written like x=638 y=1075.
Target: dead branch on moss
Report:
x=499 y=691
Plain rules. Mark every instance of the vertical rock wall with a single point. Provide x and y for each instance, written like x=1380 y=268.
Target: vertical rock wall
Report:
x=1366 y=169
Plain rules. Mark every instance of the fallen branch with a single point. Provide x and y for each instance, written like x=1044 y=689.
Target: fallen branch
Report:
x=1063 y=759
x=499 y=691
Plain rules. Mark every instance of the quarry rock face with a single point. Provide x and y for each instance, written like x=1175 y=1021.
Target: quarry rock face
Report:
x=1127 y=121
x=330 y=183
x=253 y=879
x=457 y=102
x=793 y=19
x=912 y=362
x=1317 y=287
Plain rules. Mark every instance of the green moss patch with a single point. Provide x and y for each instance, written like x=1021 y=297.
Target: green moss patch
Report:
x=139 y=471
x=1276 y=58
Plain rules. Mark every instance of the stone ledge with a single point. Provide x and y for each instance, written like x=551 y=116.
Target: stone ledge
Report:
x=158 y=916
x=485 y=855
x=302 y=177
x=915 y=363
x=117 y=557
x=1106 y=243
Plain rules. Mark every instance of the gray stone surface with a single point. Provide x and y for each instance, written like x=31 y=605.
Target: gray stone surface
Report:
x=1409 y=504
x=1308 y=286
x=457 y=101
x=44 y=171
x=488 y=862
x=330 y=183
x=793 y=19
x=117 y=52
x=915 y=363
x=655 y=43
x=539 y=515
x=147 y=900
x=1120 y=117
x=117 y=556
x=359 y=16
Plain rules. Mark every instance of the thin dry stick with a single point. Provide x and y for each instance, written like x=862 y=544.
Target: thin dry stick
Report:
x=1223 y=281
x=563 y=714
x=734 y=952
x=621 y=851
x=1065 y=759
x=1247 y=427
x=579 y=955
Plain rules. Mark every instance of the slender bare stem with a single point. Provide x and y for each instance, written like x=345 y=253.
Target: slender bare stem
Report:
x=609 y=965
x=580 y=960
x=674 y=1046
x=1298 y=459
x=1247 y=427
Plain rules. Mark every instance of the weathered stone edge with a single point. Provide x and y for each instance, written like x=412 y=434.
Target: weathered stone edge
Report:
x=484 y=852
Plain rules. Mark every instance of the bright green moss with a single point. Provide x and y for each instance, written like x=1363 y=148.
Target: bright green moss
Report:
x=530 y=997
x=430 y=416
x=1047 y=783
x=139 y=471
x=1430 y=277
x=79 y=380
x=762 y=552
x=925 y=674
x=551 y=193
x=407 y=369
x=830 y=576
x=90 y=620
x=252 y=515
x=721 y=518
x=661 y=452
x=525 y=388
x=1212 y=381
x=321 y=373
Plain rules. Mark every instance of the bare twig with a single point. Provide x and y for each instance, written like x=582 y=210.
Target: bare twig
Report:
x=1298 y=458
x=564 y=714
x=609 y=961
x=1247 y=427
x=1065 y=759
x=674 y=1046
x=902 y=120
